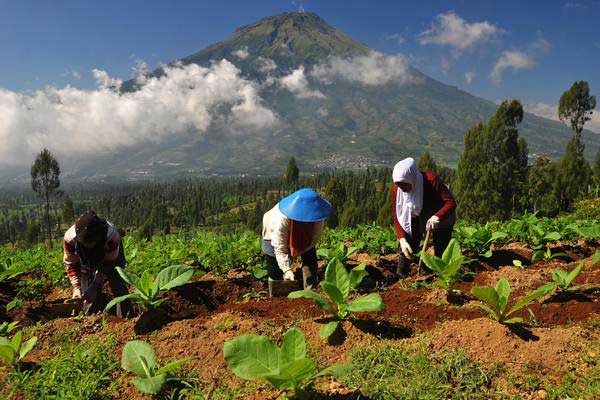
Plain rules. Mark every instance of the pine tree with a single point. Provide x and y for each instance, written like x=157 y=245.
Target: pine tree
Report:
x=597 y=168
x=45 y=173
x=68 y=211
x=292 y=172
x=426 y=162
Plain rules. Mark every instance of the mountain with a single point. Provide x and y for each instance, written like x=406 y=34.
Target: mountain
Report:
x=344 y=123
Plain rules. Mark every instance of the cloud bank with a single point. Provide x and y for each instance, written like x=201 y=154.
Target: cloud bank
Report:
x=551 y=112
x=71 y=121
x=515 y=60
x=451 y=30
x=297 y=83
x=371 y=69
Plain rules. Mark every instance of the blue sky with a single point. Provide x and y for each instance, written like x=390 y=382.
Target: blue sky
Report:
x=56 y=42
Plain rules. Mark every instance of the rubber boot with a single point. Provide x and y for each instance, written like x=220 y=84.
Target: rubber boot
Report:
x=403 y=269
x=308 y=278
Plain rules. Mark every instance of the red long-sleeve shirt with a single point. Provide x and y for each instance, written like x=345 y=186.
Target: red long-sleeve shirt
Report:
x=437 y=200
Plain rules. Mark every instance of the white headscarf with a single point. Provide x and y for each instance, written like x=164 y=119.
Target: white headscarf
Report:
x=408 y=204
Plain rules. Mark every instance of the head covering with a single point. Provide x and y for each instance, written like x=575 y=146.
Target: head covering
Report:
x=90 y=228
x=409 y=204
x=305 y=205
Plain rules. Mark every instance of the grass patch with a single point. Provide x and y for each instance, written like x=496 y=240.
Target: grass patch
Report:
x=81 y=371
x=387 y=372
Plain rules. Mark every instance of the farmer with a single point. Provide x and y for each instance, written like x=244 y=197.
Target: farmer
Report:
x=292 y=228
x=420 y=201
x=92 y=250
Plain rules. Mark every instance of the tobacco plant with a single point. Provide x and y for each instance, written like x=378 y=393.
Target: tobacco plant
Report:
x=448 y=267
x=478 y=240
x=148 y=290
x=139 y=358
x=561 y=280
x=496 y=301
x=546 y=255
x=286 y=368
x=341 y=252
x=338 y=285
x=14 y=350
x=6 y=327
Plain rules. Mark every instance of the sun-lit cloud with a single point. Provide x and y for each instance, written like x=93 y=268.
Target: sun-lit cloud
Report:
x=297 y=83
x=265 y=65
x=451 y=30
x=550 y=111
x=372 y=69
x=71 y=73
x=241 y=53
x=396 y=38
x=469 y=76
x=515 y=60
x=74 y=123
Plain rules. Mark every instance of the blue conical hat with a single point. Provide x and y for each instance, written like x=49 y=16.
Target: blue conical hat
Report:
x=305 y=205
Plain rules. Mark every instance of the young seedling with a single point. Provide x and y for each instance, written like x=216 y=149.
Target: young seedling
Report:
x=448 y=267
x=338 y=285
x=479 y=240
x=6 y=328
x=546 y=255
x=139 y=358
x=561 y=280
x=148 y=290
x=596 y=259
x=14 y=350
x=496 y=301
x=286 y=368
x=341 y=252
x=518 y=264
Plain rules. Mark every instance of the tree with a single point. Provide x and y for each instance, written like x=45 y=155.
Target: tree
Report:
x=426 y=162
x=335 y=193
x=45 y=173
x=597 y=168
x=540 y=181
x=292 y=172
x=68 y=211
x=576 y=106
x=493 y=166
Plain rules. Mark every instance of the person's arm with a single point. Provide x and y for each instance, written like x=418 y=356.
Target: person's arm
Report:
x=400 y=233
x=71 y=259
x=281 y=243
x=449 y=204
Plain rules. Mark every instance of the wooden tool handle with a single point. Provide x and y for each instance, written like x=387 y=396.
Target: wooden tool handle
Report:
x=427 y=235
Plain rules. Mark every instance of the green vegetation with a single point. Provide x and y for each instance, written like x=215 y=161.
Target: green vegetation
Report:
x=338 y=285
x=45 y=173
x=562 y=279
x=496 y=301
x=148 y=289
x=448 y=267
x=478 y=240
x=139 y=358
x=14 y=350
x=287 y=368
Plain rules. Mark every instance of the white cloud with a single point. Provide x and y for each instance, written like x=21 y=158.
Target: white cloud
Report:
x=515 y=60
x=451 y=30
x=265 y=65
x=372 y=69
x=297 y=83
x=72 y=73
x=395 y=37
x=551 y=112
x=140 y=72
x=241 y=53
x=469 y=76
x=68 y=121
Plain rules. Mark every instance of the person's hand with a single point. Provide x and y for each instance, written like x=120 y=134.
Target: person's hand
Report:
x=76 y=293
x=406 y=249
x=288 y=275
x=432 y=223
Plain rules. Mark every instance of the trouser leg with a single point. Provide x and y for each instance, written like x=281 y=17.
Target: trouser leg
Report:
x=441 y=238
x=275 y=273
x=414 y=240
x=309 y=268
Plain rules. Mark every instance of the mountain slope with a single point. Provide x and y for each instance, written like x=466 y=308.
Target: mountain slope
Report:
x=350 y=124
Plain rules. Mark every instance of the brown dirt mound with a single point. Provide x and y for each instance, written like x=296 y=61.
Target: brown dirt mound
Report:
x=488 y=341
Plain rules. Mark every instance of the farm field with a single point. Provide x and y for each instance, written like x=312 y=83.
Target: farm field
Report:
x=432 y=340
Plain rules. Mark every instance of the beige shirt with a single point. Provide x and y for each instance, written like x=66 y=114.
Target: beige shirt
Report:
x=276 y=228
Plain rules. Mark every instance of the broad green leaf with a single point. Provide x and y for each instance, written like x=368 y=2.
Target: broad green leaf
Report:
x=371 y=302
x=130 y=279
x=559 y=276
x=293 y=346
x=573 y=274
x=137 y=357
x=515 y=320
x=536 y=294
x=488 y=254
x=503 y=290
x=15 y=342
x=452 y=251
x=596 y=258
x=337 y=275
x=498 y=235
x=328 y=329
x=293 y=375
x=489 y=296
x=552 y=236
x=537 y=256
x=173 y=276
x=518 y=263
x=333 y=292
x=146 y=284
x=337 y=370
x=252 y=357
x=357 y=275
x=173 y=365
x=317 y=297
x=491 y=313
x=151 y=385
x=434 y=263
x=8 y=353
x=27 y=346
x=4 y=341
x=117 y=300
